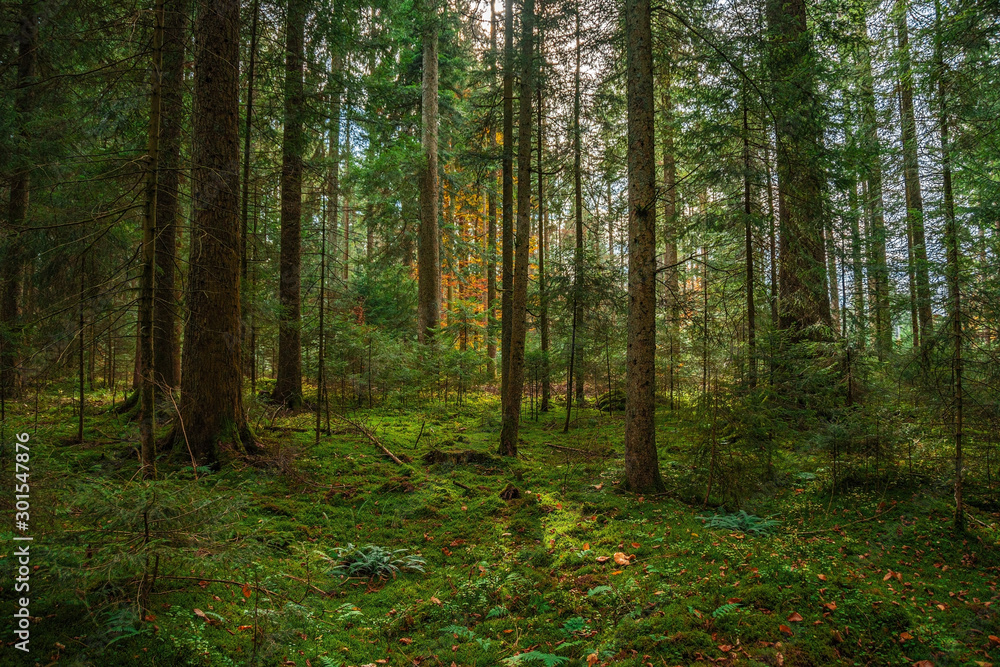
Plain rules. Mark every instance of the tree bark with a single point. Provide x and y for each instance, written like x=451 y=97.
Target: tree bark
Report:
x=642 y=470
x=147 y=378
x=211 y=380
x=543 y=305
x=804 y=302
x=428 y=251
x=11 y=253
x=519 y=297
x=166 y=343
x=288 y=387
x=670 y=230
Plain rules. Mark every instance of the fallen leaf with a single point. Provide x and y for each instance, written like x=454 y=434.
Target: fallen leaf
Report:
x=635 y=545
x=784 y=628
x=832 y=606
x=558 y=506
x=200 y=614
x=241 y=628
x=603 y=559
x=821 y=577
x=903 y=636
x=923 y=663
x=621 y=558
x=942 y=607
x=405 y=641
x=247 y=592
x=592 y=659
x=616 y=572
x=586 y=546
x=888 y=576
x=725 y=648
x=599 y=487
x=994 y=639
x=203 y=584
x=794 y=617
x=435 y=600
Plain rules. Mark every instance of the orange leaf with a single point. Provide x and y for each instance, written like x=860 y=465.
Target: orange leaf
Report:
x=821 y=577
x=558 y=506
x=603 y=559
x=244 y=627
x=592 y=660
x=435 y=600
x=586 y=546
x=616 y=572
x=621 y=558
x=995 y=639
x=725 y=648
x=635 y=545
x=247 y=592
x=200 y=614
x=405 y=641
x=794 y=617
x=903 y=636
x=888 y=576
x=784 y=628
x=832 y=606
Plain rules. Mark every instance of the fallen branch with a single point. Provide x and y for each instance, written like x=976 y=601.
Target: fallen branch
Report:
x=363 y=430
x=574 y=449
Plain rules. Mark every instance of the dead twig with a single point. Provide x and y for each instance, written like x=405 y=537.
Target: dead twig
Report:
x=365 y=431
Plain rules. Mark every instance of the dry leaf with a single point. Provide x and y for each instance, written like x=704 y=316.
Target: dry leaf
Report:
x=599 y=486
x=621 y=558
x=994 y=639
x=616 y=572
x=558 y=506
x=247 y=592
x=784 y=628
x=592 y=660
x=435 y=600
x=794 y=617
x=635 y=545
x=923 y=663
x=725 y=648
x=200 y=614
x=888 y=576
x=586 y=546
x=821 y=577
x=903 y=636
x=405 y=641
x=603 y=559
x=832 y=606
x=942 y=607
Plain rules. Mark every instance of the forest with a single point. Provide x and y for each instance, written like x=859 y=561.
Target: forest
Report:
x=349 y=333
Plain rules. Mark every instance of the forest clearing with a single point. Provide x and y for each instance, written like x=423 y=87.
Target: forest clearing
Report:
x=460 y=333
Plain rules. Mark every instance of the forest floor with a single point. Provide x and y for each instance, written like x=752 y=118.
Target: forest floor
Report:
x=574 y=572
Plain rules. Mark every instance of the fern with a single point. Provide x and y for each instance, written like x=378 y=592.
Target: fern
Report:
x=372 y=561
x=725 y=609
x=462 y=631
x=598 y=590
x=548 y=659
x=741 y=522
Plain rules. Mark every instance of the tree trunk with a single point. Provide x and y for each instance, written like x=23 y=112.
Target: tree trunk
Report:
x=288 y=387
x=248 y=354
x=507 y=198
x=543 y=305
x=748 y=242
x=428 y=251
x=874 y=206
x=911 y=179
x=211 y=380
x=642 y=470
x=951 y=243
x=804 y=302
x=670 y=232
x=577 y=355
x=519 y=297
x=166 y=344
x=11 y=254
x=147 y=377
x=491 y=233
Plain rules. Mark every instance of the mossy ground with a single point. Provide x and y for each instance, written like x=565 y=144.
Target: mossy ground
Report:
x=502 y=578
